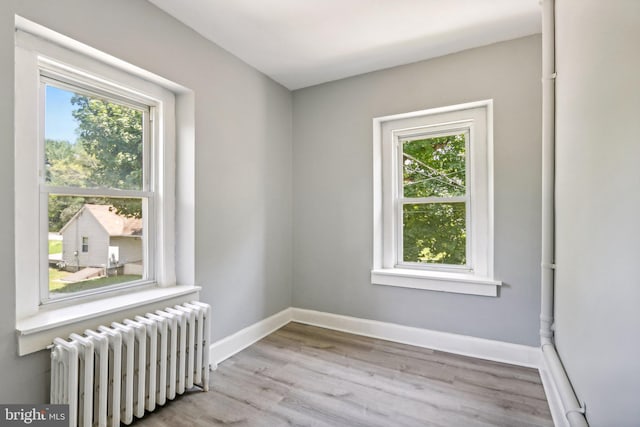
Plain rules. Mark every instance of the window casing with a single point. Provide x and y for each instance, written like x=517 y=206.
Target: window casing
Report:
x=41 y=64
x=38 y=324
x=433 y=203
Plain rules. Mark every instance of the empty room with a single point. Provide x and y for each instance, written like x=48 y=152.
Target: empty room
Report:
x=320 y=213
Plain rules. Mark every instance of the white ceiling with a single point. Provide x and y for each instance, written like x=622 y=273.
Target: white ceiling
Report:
x=301 y=43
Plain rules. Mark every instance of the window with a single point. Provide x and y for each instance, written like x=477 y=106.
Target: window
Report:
x=95 y=163
x=433 y=200
x=132 y=204
x=97 y=143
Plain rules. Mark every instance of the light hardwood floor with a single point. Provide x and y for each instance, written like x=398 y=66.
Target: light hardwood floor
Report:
x=307 y=376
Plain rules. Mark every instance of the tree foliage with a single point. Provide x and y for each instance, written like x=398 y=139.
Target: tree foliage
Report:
x=434 y=232
x=66 y=165
x=107 y=154
x=112 y=134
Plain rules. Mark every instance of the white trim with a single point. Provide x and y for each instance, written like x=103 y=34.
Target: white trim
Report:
x=38 y=331
x=71 y=58
x=26 y=193
x=456 y=199
x=71 y=316
x=185 y=196
x=81 y=48
x=480 y=348
x=498 y=351
x=459 y=283
x=232 y=344
x=106 y=192
x=477 y=118
x=397 y=137
x=432 y=111
x=490 y=181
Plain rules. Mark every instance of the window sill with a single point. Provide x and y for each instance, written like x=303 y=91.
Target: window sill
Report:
x=38 y=331
x=459 y=283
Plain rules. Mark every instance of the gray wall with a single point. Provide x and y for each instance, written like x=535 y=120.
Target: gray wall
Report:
x=242 y=170
x=332 y=190
x=598 y=198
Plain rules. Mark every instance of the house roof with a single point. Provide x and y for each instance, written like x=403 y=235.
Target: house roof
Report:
x=114 y=224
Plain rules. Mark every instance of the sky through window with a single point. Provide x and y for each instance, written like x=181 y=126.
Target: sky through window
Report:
x=59 y=123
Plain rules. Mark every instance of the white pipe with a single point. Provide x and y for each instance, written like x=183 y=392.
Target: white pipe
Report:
x=574 y=412
x=548 y=170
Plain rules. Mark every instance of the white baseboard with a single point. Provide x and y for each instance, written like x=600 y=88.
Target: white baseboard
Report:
x=228 y=346
x=481 y=348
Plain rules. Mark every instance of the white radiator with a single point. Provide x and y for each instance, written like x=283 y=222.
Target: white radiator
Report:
x=115 y=373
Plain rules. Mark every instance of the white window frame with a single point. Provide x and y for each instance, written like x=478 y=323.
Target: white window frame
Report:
x=38 y=323
x=476 y=277
x=67 y=77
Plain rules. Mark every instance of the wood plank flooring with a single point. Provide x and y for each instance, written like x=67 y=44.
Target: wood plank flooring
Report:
x=307 y=376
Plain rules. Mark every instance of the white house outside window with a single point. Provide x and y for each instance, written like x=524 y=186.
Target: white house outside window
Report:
x=433 y=202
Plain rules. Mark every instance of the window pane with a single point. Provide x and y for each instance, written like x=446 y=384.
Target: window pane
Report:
x=91 y=142
x=93 y=242
x=435 y=233
x=434 y=167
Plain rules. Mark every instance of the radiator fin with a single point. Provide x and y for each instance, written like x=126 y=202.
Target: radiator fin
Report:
x=116 y=373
